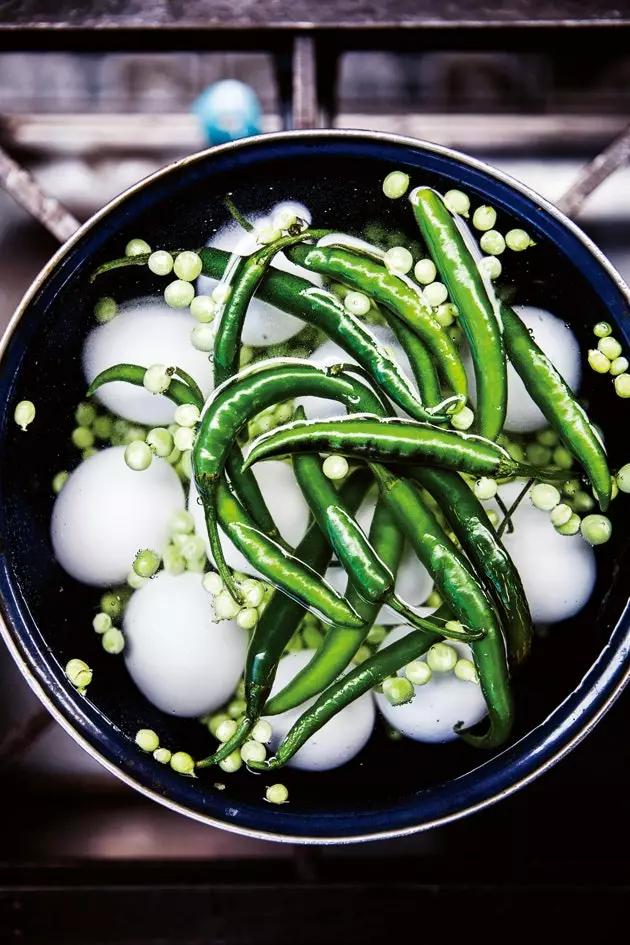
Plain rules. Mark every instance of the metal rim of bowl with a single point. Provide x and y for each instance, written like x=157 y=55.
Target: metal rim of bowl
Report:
x=285 y=136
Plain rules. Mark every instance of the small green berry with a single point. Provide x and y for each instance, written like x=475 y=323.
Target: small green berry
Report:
x=59 y=481
x=147 y=740
x=398 y=690
x=232 y=763
x=596 y=529
x=277 y=794
x=79 y=674
x=396 y=184
x=457 y=202
x=179 y=294
x=157 y=378
x=105 y=309
x=484 y=218
x=544 y=496
x=187 y=266
x=113 y=641
x=182 y=762
x=622 y=385
x=442 y=658
x=492 y=243
x=253 y=751
x=465 y=670
x=560 y=515
x=160 y=263
x=602 y=329
x=609 y=347
x=102 y=622
x=262 y=732
x=335 y=467
x=203 y=309
x=517 y=240
x=137 y=247
x=418 y=672
x=146 y=563
x=571 y=527
x=138 y=455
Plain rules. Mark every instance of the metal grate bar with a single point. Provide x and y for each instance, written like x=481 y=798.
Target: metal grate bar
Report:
x=305 y=98
x=595 y=173
x=26 y=191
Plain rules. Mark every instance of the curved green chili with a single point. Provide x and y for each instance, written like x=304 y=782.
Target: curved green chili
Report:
x=244 y=482
x=398 y=294
x=248 y=274
x=290 y=575
x=192 y=383
x=244 y=280
x=322 y=310
x=555 y=399
x=178 y=391
x=478 y=539
x=236 y=401
x=365 y=570
x=345 y=690
x=340 y=644
x=477 y=314
x=370 y=576
x=460 y=589
x=420 y=360
x=394 y=441
x=280 y=619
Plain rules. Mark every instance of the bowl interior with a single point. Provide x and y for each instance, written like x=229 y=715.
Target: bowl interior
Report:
x=391 y=786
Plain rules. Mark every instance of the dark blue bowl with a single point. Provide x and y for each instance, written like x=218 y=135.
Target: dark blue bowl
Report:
x=391 y=788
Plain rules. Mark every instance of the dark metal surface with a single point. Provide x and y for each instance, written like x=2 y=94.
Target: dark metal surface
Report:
x=303 y=14
x=363 y=902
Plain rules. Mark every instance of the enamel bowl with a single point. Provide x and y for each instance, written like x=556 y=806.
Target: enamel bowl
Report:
x=392 y=788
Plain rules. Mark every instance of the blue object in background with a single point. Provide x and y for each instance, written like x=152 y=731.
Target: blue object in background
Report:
x=228 y=110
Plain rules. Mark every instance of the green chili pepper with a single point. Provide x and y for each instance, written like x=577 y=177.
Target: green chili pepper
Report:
x=244 y=281
x=247 y=394
x=396 y=293
x=281 y=569
x=369 y=575
x=324 y=311
x=179 y=392
x=563 y=412
x=192 y=383
x=280 y=620
x=477 y=313
x=345 y=690
x=248 y=274
x=341 y=644
x=458 y=585
x=394 y=441
x=478 y=538
x=422 y=364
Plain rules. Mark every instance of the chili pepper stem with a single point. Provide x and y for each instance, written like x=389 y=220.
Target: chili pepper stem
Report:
x=236 y=214
x=420 y=623
x=506 y=514
x=507 y=519
x=207 y=487
x=233 y=744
